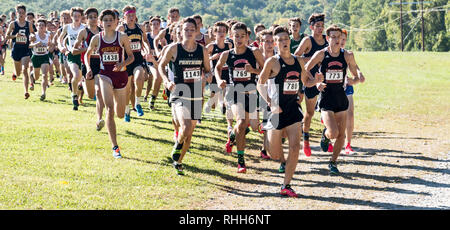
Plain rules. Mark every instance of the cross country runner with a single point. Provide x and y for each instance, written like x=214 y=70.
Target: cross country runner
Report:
x=307 y=48
x=286 y=115
x=112 y=46
x=242 y=64
x=19 y=31
x=74 y=61
x=330 y=80
x=91 y=86
x=189 y=59
x=350 y=112
x=136 y=70
x=41 y=46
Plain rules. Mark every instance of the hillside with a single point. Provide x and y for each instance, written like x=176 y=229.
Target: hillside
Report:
x=373 y=24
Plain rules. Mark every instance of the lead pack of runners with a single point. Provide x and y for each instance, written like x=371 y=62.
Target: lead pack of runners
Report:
x=258 y=85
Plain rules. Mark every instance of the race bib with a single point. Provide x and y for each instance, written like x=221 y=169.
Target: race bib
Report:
x=110 y=57
x=95 y=53
x=21 y=39
x=40 y=49
x=334 y=76
x=239 y=74
x=135 y=46
x=191 y=74
x=290 y=86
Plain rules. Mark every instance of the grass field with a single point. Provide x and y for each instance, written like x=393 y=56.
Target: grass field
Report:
x=53 y=158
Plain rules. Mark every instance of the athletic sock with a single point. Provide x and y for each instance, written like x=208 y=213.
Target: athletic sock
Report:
x=127 y=110
x=178 y=146
x=306 y=136
x=241 y=160
x=137 y=102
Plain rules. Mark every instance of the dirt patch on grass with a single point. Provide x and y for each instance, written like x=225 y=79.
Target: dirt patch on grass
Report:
x=398 y=165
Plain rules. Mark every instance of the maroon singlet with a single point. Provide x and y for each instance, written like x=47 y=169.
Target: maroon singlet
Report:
x=110 y=55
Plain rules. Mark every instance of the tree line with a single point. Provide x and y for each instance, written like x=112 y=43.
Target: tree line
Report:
x=373 y=25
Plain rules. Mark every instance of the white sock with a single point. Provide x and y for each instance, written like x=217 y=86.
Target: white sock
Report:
x=137 y=102
x=127 y=109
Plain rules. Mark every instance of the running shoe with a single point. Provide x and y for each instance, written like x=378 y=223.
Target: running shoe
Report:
x=324 y=141
x=349 y=150
x=27 y=95
x=31 y=86
x=330 y=147
x=306 y=148
x=116 y=152
x=145 y=99
x=14 y=77
x=139 y=110
x=282 y=168
x=288 y=191
x=100 y=124
x=42 y=97
x=228 y=147
x=241 y=164
x=264 y=155
x=127 y=117
x=333 y=168
x=179 y=168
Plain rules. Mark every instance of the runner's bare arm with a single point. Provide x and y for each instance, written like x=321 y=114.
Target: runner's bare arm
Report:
x=207 y=66
x=168 y=55
x=87 y=56
x=259 y=60
x=81 y=37
x=32 y=41
x=156 y=41
x=358 y=77
x=62 y=40
x=307 y=79
x=125 y=42
x=218 y=70
x=9 y=32
x=266 y=73
x=304 y=47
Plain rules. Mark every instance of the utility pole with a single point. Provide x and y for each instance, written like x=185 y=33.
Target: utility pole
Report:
x=423 y=29
x=401 y=23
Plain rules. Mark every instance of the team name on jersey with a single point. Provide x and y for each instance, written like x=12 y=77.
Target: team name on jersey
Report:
x=245 y=61
x=335 y=63
x=135 y=36
x=190 y=62
x=110 y=49
x=292 y=73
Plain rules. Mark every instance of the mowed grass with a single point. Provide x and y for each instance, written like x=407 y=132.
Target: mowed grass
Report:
x=399 y=85
x=53 y=158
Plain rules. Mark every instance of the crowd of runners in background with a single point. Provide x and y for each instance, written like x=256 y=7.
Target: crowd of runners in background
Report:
x=110 y=56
